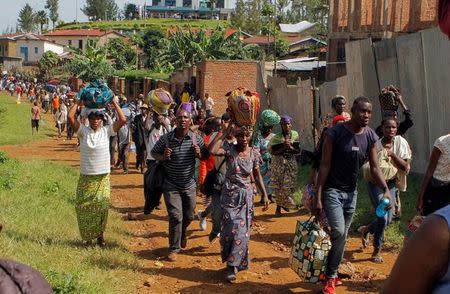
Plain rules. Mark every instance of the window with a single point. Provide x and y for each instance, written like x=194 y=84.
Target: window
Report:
x=70 y=42
x=80 y=44
x=91 y=43
x=36 y=50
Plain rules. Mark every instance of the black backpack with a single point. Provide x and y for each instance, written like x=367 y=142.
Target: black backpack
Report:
x=214 y=180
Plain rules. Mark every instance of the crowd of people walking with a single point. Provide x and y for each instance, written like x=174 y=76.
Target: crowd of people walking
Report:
x=202 y=153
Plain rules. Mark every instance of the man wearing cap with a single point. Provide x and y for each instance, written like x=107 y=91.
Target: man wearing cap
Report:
x=178 y=150
x=139 y=136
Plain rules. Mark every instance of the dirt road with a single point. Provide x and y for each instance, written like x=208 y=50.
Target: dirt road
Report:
x=199 y=268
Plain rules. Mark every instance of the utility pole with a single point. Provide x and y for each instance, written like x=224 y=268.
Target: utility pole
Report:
x=76 y=10
x=275 y=39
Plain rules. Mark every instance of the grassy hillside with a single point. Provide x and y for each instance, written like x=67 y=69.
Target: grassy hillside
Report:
x=142 y=24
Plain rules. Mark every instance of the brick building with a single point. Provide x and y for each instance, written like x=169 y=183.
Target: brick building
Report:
x=376 y=19
x=218 y=77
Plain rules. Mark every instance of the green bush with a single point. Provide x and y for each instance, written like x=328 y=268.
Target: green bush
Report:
x=64 y=283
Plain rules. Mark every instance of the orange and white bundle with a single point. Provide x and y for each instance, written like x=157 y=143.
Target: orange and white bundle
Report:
x=243 y=106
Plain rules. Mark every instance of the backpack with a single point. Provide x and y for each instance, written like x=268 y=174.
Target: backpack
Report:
x=214 y=180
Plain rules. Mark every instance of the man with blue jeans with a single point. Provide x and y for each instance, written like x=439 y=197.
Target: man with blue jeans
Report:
x=345 y=149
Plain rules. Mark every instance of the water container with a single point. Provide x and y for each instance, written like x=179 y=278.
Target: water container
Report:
x=381 y=209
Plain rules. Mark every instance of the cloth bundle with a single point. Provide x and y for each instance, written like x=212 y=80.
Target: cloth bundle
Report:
x=388 y=98
x=243 y=106
x=160 y=100
x=96 y=94
x=309 y=251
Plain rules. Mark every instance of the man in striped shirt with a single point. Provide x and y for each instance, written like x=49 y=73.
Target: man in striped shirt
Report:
x=178 y=150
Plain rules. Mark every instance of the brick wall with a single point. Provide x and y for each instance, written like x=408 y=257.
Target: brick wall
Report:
x=218 y=77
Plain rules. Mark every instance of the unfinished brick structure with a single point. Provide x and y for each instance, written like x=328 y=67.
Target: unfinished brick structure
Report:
x=376 y=19
x=217 y=77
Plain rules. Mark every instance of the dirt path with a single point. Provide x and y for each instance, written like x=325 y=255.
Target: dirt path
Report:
x=198 y=268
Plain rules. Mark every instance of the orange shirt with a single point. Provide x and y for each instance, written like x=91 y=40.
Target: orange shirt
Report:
x=55 y=102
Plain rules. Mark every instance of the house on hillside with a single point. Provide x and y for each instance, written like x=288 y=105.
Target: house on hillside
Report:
x=81 y=37
x=190 y=9
x=353 y=20
x=31 y=47
x=8 y=52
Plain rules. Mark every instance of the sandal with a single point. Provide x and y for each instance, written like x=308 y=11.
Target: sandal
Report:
x=364 y=230
x=377 y=258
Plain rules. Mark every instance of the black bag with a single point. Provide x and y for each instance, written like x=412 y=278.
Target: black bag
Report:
x=213 y=180
x=153 y=183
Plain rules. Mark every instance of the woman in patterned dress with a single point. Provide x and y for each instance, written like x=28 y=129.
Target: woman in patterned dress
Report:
x=262 y=137
x=237 y=198
x=284 y=146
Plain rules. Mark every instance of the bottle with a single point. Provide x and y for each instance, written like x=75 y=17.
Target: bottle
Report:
x=381 y=208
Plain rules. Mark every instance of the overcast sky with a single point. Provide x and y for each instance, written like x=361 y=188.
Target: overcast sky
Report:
x=68 y=9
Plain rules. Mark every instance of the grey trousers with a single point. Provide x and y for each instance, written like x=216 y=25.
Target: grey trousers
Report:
x=180 y=204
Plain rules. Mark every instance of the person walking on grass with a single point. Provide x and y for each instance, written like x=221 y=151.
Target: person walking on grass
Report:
x=395 y=154
x=178 y=150
x=94 y=187
x=35 y=117
x=346 y=147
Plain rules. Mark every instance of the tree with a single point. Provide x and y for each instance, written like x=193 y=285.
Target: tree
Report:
x=151 y=44
x=90 y=65
x=239 y=15
x=101 y=9
x=315 y=11
x=48 y=62
x=42 y=19
x=130 y=11
x=27 y=19
x=52 y=6
x=123 y=55
x=254 y=23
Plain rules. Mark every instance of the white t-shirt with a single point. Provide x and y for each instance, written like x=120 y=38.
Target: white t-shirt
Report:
x=153 y=137
x=94 y=150
x=442 y=171
x=209 y=103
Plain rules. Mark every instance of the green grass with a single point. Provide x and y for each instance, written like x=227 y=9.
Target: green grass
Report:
x=15 y=122
x=142 y=73
x=365 y=213
x=40 y=229
x=142 y=24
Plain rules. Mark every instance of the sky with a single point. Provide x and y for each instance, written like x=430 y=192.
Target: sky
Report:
x=68 y=9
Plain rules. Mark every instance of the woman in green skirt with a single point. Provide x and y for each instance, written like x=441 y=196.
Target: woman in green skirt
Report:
x=94 y=187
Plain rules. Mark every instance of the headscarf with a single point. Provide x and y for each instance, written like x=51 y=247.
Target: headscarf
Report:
x=186 y=107
x=267 y=119
x=286 y=118
x=338 y=118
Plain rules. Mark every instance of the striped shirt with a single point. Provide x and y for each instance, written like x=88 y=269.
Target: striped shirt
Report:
x=94 y=150
x=180 y=169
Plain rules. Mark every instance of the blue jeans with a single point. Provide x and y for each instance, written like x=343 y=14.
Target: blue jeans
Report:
x=339 y=207
x=379 y=224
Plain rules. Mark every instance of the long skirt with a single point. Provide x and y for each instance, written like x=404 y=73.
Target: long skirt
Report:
x=237 y=205
x=283 y=180
x=92 y=204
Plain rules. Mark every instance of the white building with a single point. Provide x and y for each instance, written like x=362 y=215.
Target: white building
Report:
x=31 y=47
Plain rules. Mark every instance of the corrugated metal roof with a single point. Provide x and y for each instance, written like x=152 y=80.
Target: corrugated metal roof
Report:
x=300 y=66
x=296 y=28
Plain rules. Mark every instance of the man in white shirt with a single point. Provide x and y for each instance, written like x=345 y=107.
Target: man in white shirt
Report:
x=209 y=104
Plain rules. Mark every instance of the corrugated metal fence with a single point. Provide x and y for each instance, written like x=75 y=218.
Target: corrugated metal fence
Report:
x=419 y=64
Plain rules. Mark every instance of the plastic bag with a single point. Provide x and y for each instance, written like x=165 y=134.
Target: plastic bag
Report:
x=310 y=251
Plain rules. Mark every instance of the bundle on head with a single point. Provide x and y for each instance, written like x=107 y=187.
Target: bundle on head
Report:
x=243 y=106
x=96 y=94
x=388 y=98
x=160 y=100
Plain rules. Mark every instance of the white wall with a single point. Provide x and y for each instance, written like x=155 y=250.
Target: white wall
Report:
x=42 y=46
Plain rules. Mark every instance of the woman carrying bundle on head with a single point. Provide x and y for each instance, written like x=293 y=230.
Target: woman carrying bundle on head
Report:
x=94 y=187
